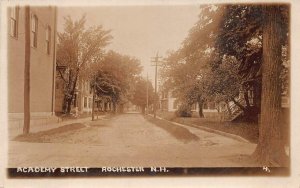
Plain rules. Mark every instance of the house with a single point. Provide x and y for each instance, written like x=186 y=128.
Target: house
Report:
x=84 y=97
x=82 y=102
x=168 y=102
x=42 y=64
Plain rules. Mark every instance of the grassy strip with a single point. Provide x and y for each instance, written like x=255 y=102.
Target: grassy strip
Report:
x=244 y=130
x=248 y=131
x=41 y=136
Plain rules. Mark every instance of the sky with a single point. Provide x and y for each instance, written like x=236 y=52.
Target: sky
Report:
x=139 y=31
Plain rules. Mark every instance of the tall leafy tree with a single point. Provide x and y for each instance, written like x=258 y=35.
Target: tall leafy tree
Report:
x=77 y=48
x=139 y=98
x=241 y=36
x=114 y=78
x=270 y=149
x=186 y=71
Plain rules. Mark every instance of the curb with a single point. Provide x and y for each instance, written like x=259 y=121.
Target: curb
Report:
x=232 y=136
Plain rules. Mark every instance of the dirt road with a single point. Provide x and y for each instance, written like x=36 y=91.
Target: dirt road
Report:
x=126 y=140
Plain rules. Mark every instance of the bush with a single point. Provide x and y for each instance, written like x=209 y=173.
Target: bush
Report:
x=184 y=110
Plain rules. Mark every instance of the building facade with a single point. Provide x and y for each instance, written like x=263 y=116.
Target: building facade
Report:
x=169 y=103
x=85 y=97
x=42 y=61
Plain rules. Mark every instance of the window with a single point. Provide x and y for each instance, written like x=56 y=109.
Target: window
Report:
x=90 y=102
x=166 y=94
x=175 y=104
x=14 y=21
x=86 y=86
x=85 y=102
x=34 y=28
x=194 y=106
x=251 y=95
x=48 y=39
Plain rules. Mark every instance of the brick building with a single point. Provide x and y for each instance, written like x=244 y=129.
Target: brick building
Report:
x=42 y=63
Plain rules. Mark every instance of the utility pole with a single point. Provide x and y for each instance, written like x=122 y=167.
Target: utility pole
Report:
x=26 y=126
x=147 y=95
x=156 y=61
x=93 y=102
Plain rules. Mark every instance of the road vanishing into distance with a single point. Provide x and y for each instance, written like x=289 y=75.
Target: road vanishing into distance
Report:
x=126 y=140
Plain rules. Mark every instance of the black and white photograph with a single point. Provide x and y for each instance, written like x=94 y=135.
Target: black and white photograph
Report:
x=160 y=90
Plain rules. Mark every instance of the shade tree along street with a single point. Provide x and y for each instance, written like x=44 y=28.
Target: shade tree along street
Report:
x=78 y=47
x=237 y=52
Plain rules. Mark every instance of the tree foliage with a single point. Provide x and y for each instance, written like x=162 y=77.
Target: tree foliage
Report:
x=139 y=97
x=221 y=57
x=186 y=71
x=114 y=77
x=77 y=49
x=234 y=50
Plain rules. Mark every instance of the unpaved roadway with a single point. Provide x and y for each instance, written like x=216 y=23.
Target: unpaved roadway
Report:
x=126 y=140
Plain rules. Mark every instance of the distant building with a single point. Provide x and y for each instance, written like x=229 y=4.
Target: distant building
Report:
x=82 y=102
x=42 y=63
x=85 y=97
x=169 y=103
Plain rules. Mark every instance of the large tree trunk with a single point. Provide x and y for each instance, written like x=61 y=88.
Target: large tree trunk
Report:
x=238 y=104
x=270 y=148
x=200 y=106
x=72 y=92
x=26 y=127
x=69 y=105
x=143 y=109
x=105 y=106
x=114 y=107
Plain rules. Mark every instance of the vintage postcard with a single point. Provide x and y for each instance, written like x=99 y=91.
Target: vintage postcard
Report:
x=172 y=93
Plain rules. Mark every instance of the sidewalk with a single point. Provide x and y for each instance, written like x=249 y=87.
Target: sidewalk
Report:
x=232 y=136
x=15 y=131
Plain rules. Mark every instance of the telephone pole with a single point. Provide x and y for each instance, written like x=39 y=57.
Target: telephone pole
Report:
x=147 y=95
x=155 y=60
x=26 y=126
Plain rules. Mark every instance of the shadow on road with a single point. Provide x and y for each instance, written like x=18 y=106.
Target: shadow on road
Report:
x=178 y=132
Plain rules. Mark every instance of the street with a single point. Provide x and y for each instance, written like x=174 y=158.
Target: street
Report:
x=126 y=140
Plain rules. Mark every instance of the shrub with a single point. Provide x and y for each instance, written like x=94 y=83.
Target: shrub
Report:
x=184 y=110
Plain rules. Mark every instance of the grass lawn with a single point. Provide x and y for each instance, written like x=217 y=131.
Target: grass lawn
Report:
x=248 y=131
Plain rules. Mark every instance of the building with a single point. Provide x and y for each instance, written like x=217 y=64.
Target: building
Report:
x=168 y=102
x=42 y=64
x=83 y=99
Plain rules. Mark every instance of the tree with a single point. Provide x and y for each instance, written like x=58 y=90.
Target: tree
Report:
x=114 y=77
x=140 y=93
x=186 y=71
x=270 y=149
x=77 y=48
x=240 y=35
